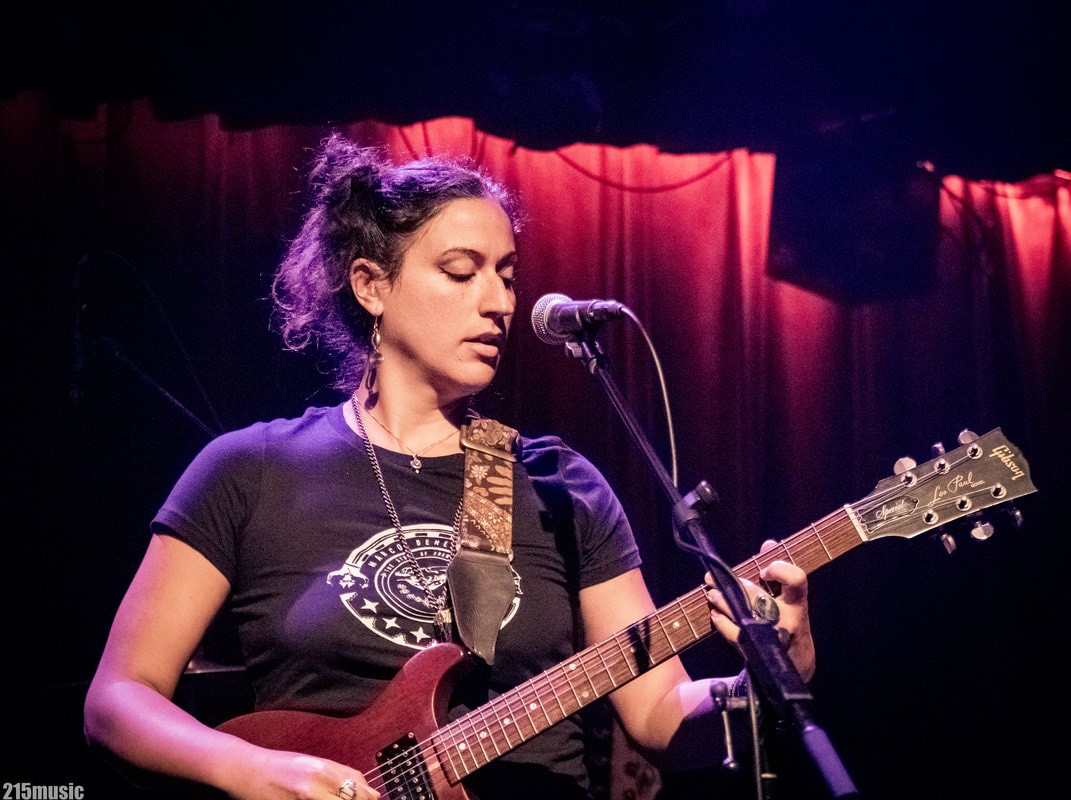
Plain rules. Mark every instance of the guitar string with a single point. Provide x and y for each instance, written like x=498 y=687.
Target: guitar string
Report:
x=537 y=685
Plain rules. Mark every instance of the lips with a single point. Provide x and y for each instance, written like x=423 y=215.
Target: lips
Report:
x=489 y=345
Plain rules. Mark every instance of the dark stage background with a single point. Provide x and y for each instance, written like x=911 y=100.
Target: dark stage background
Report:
x=804 y=204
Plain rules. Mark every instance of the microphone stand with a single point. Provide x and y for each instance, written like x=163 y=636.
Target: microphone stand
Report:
x=774 y=676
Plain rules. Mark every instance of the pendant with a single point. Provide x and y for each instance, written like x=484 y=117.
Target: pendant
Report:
x=443 y=619
x=416 y=464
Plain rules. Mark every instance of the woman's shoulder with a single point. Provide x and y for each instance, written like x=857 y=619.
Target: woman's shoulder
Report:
x=315 y=423
x=542 y=446
x=548 y=456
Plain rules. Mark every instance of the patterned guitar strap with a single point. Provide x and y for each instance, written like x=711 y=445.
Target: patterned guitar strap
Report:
x=481 y=582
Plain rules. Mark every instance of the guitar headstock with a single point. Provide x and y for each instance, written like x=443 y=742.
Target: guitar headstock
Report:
x=983 y=472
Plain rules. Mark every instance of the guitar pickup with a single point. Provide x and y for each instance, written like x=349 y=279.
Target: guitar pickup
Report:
x=404 y=771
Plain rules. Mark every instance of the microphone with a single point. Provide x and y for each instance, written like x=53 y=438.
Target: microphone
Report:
x=555 y=318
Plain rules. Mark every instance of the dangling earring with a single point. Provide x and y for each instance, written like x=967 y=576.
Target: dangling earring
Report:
x=371 y=368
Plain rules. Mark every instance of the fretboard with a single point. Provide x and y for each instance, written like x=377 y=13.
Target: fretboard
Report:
x=513 y=718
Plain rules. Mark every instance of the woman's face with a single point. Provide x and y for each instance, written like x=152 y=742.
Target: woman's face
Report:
x=446 y=316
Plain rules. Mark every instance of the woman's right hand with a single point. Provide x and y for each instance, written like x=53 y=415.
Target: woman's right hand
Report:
x=129 y=708
x=282 y=775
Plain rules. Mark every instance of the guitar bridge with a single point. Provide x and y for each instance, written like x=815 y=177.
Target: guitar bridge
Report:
x=404 y=771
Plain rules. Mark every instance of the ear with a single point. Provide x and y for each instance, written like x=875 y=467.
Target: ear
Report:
x=366 y=281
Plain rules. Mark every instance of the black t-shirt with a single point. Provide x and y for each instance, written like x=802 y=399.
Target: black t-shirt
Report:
x=327 y=603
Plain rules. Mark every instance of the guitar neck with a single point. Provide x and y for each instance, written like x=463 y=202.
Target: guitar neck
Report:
x=513 y=718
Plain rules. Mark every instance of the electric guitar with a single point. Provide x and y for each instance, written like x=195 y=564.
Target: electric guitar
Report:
x=406 y=750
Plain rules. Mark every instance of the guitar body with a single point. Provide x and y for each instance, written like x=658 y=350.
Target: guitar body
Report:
x=409 y=710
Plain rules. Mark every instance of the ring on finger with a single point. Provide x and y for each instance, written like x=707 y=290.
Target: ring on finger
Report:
x=766 y=608
x=346 y=791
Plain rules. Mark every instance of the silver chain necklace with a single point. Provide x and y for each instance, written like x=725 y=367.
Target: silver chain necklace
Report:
x=443 y=617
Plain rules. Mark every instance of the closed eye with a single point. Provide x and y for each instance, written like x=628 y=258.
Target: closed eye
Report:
x=507 y=271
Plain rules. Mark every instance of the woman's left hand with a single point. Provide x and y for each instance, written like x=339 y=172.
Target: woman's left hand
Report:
x=793 y=621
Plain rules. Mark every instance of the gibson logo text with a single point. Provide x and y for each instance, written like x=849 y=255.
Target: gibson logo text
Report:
x=1007 y=457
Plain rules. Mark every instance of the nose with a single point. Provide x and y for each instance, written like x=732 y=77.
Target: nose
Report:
x=499 y=299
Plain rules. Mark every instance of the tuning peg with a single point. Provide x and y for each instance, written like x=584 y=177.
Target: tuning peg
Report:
x=948 y=542
x=966 y=436
x=1016 y=516
x=937 y=449
x=904 y=464
x=982 y=530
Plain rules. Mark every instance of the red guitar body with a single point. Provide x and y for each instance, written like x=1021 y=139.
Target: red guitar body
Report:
x=409 y=711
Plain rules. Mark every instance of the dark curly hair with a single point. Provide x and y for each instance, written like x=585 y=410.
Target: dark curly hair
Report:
x=362 y=206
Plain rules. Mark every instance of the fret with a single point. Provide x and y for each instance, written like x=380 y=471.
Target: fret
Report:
x=698 y=613
x=684 y=613
x=557 y=697
x=571 y=668
x=607 y=668
x=749 y=570
x=459 y=747
x=479 y=736
x=487 y=735
x=674 y=629
x=591 y=693
x=557 y=682
x=543 y=708
x=501 y=724
x=511 y=722
x=527 y=707
x=657 y=616
x=618 y=670
x=688 y=635
x=638 y=643
x=516 y=715
x=628 y=655
x=534 y=699
x=819 y=537
x=445 y=748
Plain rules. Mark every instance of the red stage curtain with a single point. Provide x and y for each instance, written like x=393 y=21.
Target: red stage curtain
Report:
x=790 y=403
